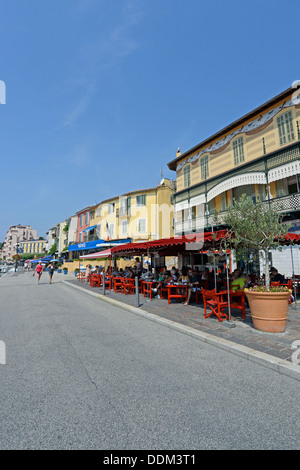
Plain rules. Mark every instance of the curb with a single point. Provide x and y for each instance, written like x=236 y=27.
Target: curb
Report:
x=279 y=365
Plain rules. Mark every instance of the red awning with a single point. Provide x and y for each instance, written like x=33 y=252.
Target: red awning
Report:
x=174 y=245
x=289 y=239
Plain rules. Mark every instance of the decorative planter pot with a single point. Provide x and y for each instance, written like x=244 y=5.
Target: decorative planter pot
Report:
x=269 y=310
x=59 y=270
x=65 y=271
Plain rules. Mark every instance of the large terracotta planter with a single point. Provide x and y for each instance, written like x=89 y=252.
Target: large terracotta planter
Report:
x=269 y=310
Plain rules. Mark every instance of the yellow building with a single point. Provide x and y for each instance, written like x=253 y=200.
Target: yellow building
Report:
x=33 y=247
x=258 y=154
x=145 y=214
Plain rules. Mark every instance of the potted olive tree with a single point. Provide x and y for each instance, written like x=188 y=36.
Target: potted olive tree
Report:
x=258 y=227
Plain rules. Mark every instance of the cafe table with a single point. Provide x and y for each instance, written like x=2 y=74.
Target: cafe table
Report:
x=147 y=287
x=177 y=291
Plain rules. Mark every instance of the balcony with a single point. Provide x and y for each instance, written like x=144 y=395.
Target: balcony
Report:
x=124 y=211
x=284 y=205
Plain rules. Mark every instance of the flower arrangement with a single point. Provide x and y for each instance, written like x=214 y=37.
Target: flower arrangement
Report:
x=271 y=289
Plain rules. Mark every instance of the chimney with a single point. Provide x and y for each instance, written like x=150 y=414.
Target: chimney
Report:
x=178 y=153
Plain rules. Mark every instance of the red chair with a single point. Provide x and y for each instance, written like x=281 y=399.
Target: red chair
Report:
x=214 y=301
x=289 y=285
x=128 y=286
x=95 y=280
x=275 y=283
x=117 y=282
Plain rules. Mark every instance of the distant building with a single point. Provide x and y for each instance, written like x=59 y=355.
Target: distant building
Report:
x=135 y=216
x=33 y=247
x=14 y=236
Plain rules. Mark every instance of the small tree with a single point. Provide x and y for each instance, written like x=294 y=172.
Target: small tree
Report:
x=53 y=249
x=254 y=226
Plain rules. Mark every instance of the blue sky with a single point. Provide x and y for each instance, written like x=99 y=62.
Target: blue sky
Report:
x=101 y=93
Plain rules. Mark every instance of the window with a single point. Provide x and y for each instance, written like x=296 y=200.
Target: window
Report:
x=187 y=176
x=92 y=215
x=80 y=237
x=123 y=206
x=98 y=211
x=111 y=230
x=204 y=167
x=141 y=227
x=141 y=200
x=238 y=151
x=261 y=192
x=285 y=128
x=248 y=189
x=124 y=227
x=212 y=206
x=293 y=184
x=87 y=218
x=223 y=202
x=81 y=220
x=111 y=208
x=280 y=188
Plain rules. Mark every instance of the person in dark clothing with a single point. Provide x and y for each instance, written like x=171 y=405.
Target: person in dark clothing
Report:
x=275 y=276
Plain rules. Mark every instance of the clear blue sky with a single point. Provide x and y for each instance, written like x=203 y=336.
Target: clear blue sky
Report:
x=101 y=93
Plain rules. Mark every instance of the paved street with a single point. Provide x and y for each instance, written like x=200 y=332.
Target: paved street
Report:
x=83 y=374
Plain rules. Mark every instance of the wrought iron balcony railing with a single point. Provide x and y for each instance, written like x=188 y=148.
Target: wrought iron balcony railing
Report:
x=283 y=204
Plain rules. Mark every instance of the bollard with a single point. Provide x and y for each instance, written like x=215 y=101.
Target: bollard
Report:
x=137 y=294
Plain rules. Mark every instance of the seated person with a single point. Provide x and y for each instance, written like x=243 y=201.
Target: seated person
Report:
x=184 y=279
x=162 y=278
x=239 y=282
x=194 y=284
x=275 y=276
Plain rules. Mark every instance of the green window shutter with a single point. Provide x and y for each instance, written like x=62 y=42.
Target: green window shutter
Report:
x=285 y=128
x=238 y=151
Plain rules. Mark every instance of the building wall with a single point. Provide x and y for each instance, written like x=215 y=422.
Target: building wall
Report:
x=82 y=222
x=72 y=232
x=149 y=216
x=34 y=247
x=17 y=234
x=262 y=139
x=62 y=237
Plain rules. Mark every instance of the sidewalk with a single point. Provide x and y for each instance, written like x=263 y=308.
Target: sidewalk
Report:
x=238 y=335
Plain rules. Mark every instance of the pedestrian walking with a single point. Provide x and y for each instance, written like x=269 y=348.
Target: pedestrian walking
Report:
x=39 y=270
x=51 y=271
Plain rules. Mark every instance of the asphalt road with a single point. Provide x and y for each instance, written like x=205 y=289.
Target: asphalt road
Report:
x=82 y=374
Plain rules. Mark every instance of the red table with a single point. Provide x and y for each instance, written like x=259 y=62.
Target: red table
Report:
x=147 y=287
x=179 y=291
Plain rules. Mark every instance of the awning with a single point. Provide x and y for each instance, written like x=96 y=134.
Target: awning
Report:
x=89 y=228
x=85 y=245
x=100 y=254
x=172 y=246
x=96 y=244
